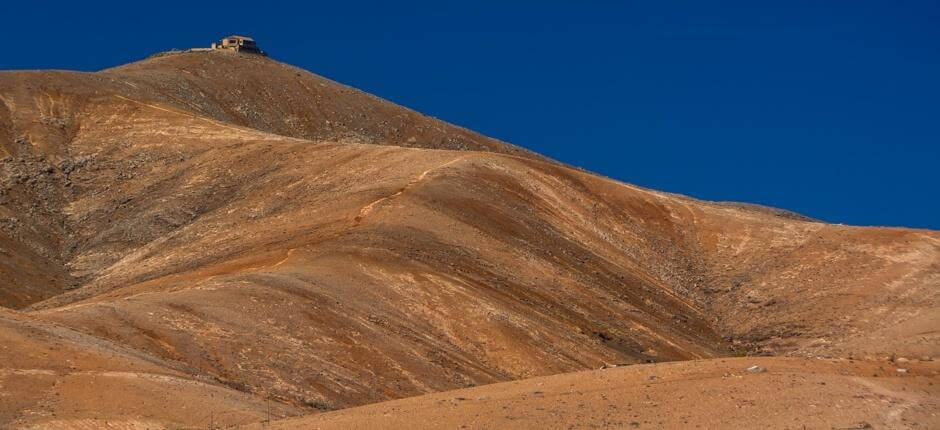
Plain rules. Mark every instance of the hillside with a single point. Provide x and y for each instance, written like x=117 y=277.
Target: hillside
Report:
x=54 y=377
x=280 y=237
x=42 y=113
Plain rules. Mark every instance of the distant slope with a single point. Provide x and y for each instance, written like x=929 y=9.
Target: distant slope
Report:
x=159 y=208
x=266 y=95
x=250 y=91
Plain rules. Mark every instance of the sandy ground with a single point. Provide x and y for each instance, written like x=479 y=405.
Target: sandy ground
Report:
x=702 y=394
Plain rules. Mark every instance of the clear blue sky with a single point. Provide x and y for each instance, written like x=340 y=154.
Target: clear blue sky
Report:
x=831 y=109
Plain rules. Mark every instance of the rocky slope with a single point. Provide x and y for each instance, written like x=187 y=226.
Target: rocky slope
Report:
x=271 y=233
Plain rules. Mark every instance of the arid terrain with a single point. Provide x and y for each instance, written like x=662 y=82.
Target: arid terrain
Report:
x=703 y=394
x=210 y=239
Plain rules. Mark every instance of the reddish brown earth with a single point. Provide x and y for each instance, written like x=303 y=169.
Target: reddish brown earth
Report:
x=232 y=229
x=698 y=394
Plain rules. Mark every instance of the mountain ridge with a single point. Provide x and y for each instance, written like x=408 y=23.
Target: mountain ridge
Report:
x=195 y=209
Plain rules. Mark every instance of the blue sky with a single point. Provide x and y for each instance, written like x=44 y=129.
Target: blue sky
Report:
x=830 y=109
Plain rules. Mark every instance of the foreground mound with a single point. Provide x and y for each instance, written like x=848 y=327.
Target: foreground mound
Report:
x=718 y=393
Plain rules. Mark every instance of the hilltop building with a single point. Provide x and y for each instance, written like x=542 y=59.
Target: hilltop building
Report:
x=235 y=43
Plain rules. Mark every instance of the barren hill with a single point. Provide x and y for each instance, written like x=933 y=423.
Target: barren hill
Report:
x=273 y=235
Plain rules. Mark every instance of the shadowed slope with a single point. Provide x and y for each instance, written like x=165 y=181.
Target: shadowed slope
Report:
x=263 y=94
